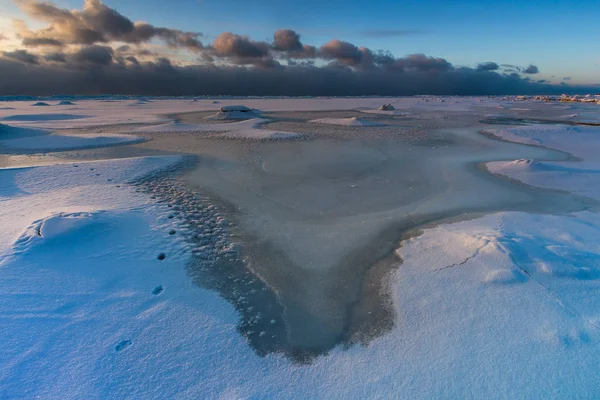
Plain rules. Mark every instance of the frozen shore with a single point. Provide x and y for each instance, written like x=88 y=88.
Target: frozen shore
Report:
x=267 y=253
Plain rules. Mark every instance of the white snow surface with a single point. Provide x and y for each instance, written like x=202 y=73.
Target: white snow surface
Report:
x=104 y=112
x=58 y=142
x=345 y=122
x=504 y=306
x=248 y=129
x=580 y=177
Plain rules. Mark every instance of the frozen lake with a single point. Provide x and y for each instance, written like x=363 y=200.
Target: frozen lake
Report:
x=318 y=219
x=322 y=248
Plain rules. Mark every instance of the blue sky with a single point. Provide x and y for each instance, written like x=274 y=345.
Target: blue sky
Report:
x=560 y=37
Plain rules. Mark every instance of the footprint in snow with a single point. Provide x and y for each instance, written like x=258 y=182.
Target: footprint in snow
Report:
x=158 y=290
x=123 y=345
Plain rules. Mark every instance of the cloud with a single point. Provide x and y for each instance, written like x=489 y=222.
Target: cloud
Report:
x=531 y=69
x=487 y=66
x=241 y=47
x=422 y=63
x=566 y=78
x=162 y=78
x=41 y=41
x=386 y=33
x=343 y=52
x=241 y=50
x=98 y=50
x=21 y=55
x=93 y=55
x=288 y=42
x=56 y=57
x=95 y=23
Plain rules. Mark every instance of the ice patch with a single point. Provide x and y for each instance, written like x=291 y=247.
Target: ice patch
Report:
x=345 y=122
x=54 y=142
x=43 y=117
x=248 y=129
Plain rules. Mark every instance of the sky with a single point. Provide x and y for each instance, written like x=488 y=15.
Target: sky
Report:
x=558 y=37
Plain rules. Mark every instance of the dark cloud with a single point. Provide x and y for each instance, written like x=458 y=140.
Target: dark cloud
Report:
x=385 y=33
x=231 y=45
x=22 y=55
x=566 y=78
x=42 y=41
x=97 y=23
x=57 y=57
x=93 y=55
x=531 y=69
x=163 y=78
x=287 y=40
x=99 y=50
x=487 y=66
x=343 y=52
x=422 y=63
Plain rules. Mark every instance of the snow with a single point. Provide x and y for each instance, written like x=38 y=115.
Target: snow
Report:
x=248 y=129
x=582 y=178
x=501 y=306
x=235 y=112
x=8 y=132
x=511 y=136
x=36 y=140
x=99 y=112
x=345 y=122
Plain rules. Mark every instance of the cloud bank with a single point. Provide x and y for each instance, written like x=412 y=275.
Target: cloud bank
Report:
x=97 y=50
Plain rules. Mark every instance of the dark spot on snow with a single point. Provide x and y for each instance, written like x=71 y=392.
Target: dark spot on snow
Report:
x=109 y=180
x=75 y=166
x=170 y=205
x=152 y=197
x=123 y=345
x=97 y=174
x=91 y=169
x=161 y=256
x=158 y=290
x=171 y=216
x=172 y=232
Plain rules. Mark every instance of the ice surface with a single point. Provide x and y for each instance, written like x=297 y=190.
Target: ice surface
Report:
x=581 y=177
x=248 y=129
x=56 y=142
x=345 y=122
x=502 y=306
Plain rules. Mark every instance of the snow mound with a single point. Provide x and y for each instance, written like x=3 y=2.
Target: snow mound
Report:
x=235 y=113
x=345 y=122
x=65 y=103
x=248 y=129
x=512 y=136
x=40 y=104
x=525 y=163
x=8 y=132
x=67 y=142
x=140 y=102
